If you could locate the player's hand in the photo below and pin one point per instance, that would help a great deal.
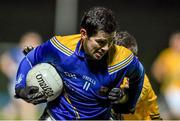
(27, 49)
(115, 95)
(31, 94)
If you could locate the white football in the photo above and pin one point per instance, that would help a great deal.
(48, 80)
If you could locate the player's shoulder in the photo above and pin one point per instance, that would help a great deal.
(119, 57)
(69, 41)
(66, 44)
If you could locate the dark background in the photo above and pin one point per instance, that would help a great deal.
(19, 16)
(150, 21)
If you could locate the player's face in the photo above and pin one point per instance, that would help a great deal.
(98, 45)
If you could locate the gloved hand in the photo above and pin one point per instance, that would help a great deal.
(115, 95)
(31, 94)
(27, 49)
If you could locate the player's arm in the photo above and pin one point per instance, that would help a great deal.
(135, 73)
(31, 94)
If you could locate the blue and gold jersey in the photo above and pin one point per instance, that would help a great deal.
(86, 82)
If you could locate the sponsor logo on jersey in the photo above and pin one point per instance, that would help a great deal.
(21, 76)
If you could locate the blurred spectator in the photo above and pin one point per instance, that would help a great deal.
(9, 61)
(166, 70)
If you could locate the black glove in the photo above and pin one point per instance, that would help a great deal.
(115, 95)
(27, 49)
(31, 94)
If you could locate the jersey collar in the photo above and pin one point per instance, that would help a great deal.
(79, 50)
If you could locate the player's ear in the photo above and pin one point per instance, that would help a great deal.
(83, 33)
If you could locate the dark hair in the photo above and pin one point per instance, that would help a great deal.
(98, 18)
(127, 40)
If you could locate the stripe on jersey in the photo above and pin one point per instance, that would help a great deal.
(120, 65)
(73, 107)
(61, 47)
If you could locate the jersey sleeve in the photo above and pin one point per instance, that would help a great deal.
(135, 73)
(43, 53)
